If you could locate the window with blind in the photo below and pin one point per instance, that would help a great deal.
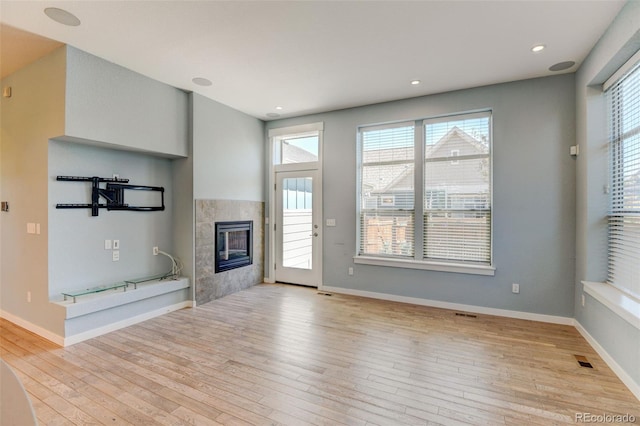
(457, 189)
(623, 99)
(387, 200)
(425, 190)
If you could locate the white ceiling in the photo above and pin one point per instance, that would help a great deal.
(314, 56)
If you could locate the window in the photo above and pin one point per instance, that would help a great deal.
(457, 201)
(623, 99)
(425, 190)
(387, 191)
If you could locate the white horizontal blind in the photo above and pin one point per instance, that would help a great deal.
(457, 189)
(387, 191)
(624, 217)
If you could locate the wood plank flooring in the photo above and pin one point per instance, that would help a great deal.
(277, 354)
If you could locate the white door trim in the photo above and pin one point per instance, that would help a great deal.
(273, 137)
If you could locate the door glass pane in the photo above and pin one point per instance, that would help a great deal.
(297, 227)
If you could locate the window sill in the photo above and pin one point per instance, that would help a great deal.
(623, 305)
(459, 268)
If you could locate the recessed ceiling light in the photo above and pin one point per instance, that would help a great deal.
(279, 108)
(538, 48)
(201, 81)
(561, 66)
(415, 82)
(61, 16)
(272, 115)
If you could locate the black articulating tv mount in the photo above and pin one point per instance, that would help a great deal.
(113, 193)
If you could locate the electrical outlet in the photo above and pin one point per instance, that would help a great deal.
(515, 288)
(107, 244)
(116, 255)
(350, 270)
(29, 296)
(116, 244)
(116, 176)
(155, 251)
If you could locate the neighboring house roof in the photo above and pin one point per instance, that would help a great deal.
(295, 154)
(457, 138)
(399, 177)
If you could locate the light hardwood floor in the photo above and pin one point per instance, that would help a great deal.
(277, 354)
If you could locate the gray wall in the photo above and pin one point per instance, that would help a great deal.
(73, 96)
(228, 153)
(183, 204)
(534, 193)
(107, 103)
(619, 338)
(77, 258)
(33, 114)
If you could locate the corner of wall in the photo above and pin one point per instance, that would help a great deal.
(33, 115)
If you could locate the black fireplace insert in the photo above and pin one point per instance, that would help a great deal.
(234, 242)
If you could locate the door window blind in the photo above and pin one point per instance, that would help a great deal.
(623, 99)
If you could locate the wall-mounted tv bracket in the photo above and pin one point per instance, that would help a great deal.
(113, 193)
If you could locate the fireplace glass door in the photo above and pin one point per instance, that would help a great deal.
(234, 243)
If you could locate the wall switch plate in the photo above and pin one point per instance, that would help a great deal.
(583, 300)
(37, 228)
(31, 228)
(331, 222)
(115, 255)
(6, 91)
(574, 150)
(515, 288)
(107, 244)
(28, 296)
(350, 270)
(5, 206)
(116, 244)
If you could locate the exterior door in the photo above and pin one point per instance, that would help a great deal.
(297, 228)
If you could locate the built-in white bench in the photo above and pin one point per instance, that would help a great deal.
(94, 313)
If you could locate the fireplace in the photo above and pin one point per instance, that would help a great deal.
(234, 242)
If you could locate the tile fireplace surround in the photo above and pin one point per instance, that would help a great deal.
(209, 285)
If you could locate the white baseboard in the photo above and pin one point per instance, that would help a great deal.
(55, 338)
(613, 365)
(453, 306)
(77, 338)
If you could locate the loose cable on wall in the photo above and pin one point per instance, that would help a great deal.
(176, 266)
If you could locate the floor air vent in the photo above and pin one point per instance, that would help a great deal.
(461, 314)
(324, 293)
(583, 361)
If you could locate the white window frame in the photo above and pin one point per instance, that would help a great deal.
(455, 153)
(613, 297)
(418, 262)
